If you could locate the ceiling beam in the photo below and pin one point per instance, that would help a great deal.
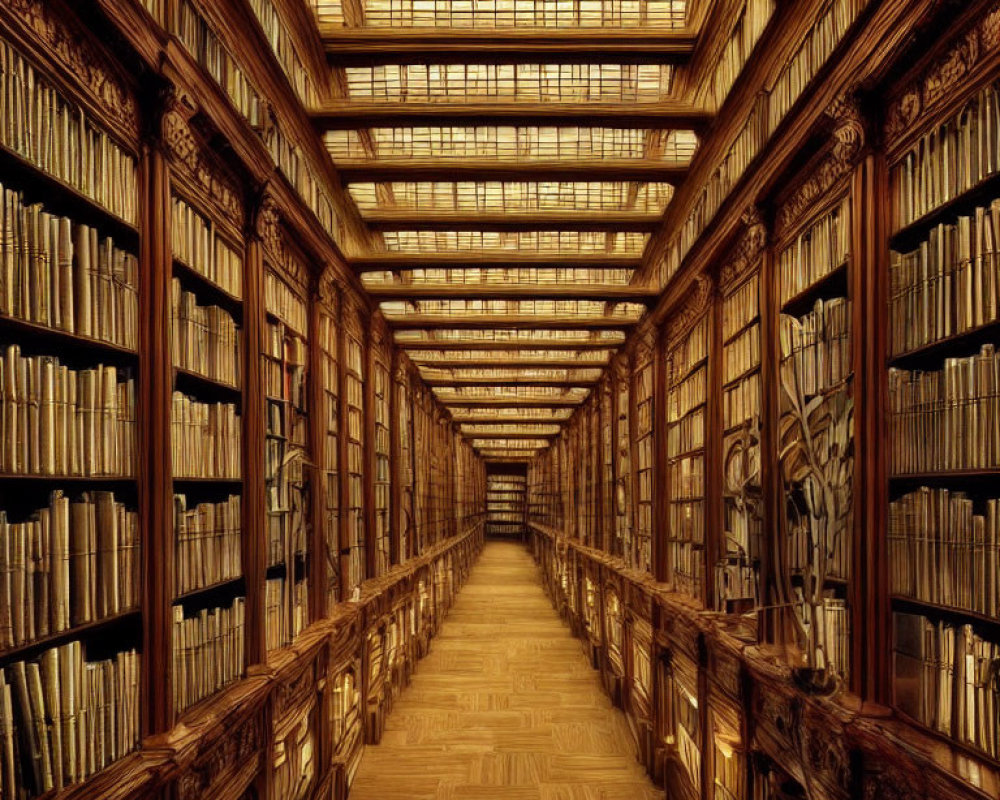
(510, 402)
(395, 261)
(534, 383)
(512, 291)
(496, 363)
(510, 435)
(667, 115)
(508, 321)
(610, 222)
(491, 169)
(484, 419)
(471, 343)
(432, 45)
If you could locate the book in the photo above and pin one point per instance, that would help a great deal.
(206, 439)
(207, 543)
(205, 339)
(208, 650)
(196, 243)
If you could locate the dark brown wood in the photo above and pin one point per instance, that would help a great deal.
(445, 169)
(395, 457)
(511, 402)
(512, 434)
(394, 262)
(715, 525)
(340, 115)
(369, 452)
(375, 45)
(611, 222)
(492, 345)
(506, 363)
(156, 485)
(508, 382)
(519, 321)
(318, 564)
(660, 568)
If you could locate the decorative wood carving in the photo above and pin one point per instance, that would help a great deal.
(748, 249)
(187, 156)
(690, 311)
(236, 750)
(80, 58)
(267, 226)
(848, 142)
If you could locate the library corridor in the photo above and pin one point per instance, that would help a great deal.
(505, 706)
(499, 399)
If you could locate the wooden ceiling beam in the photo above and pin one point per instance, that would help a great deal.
(482, 419)
(366, 46)
(610, 222)
(510, 435)
(471, 343)
(395, 262)
(667, 115)
(485, 363)
(512, 291)
(511, 321)
(510, 402)
(448, 169)
(534, 383)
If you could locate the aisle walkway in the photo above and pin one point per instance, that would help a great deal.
(505, 707)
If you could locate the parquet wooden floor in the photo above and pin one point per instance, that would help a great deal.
(505, 706)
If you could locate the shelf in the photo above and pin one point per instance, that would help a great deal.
(671, 457)
(73, 341)
(959, 616)
(210, 481)
(206, 289)
(10, 476)
(741, 377)
(37, 646)
(191, 382)
(212, 588)
(691, 370)
(970, 479)
(833, 284)
(58, 197)
(909, 236)
(966, 343)
(741, 330)
(966, 750)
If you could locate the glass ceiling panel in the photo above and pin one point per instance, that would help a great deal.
(396, 309)
(668, 14)
(512, 143)
(515, 241)
(585, 357)
(483, 429)
(501, 196)
(495, 276)
(512, 374)
(529, 83)
(512, 335)
(502, 414)
(462, 393)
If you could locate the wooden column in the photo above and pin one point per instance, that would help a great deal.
(254, 436)
(369, 452)
(343, 467)
(660, 507)
(396, 522)
(318, 578)
(714, 508)
(153, 440)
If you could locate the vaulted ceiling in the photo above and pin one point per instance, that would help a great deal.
(511, 159)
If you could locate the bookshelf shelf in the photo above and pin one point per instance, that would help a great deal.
(833, 284)
(227, 587)
(960, 344)
(959, 616)
(191, 382)
(61, 198)
(207, 290)
(909, 236)
(72, 343)
(117, 623)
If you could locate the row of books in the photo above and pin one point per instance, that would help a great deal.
(691, 349)
(942, 551)
(63, 275)
(57, 137)
(207, 543)
(741, 355)
(206, 439)
(59, 421)
(741, 308)
(64, 718)
(945, 677)
(208, 651)
(949, 159)
(828, 632)
(68, 564)
(816, 252)
(285, 304)
(286, 51)
(206, 339)
(815, 546)
(751, 20)
(686, 477)
(687, 395)
(196, 243)
(741, 401)
(686, 522)
(204, 45)
(816, 348)
(949, 284)
(946, 419)
(688, 434)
